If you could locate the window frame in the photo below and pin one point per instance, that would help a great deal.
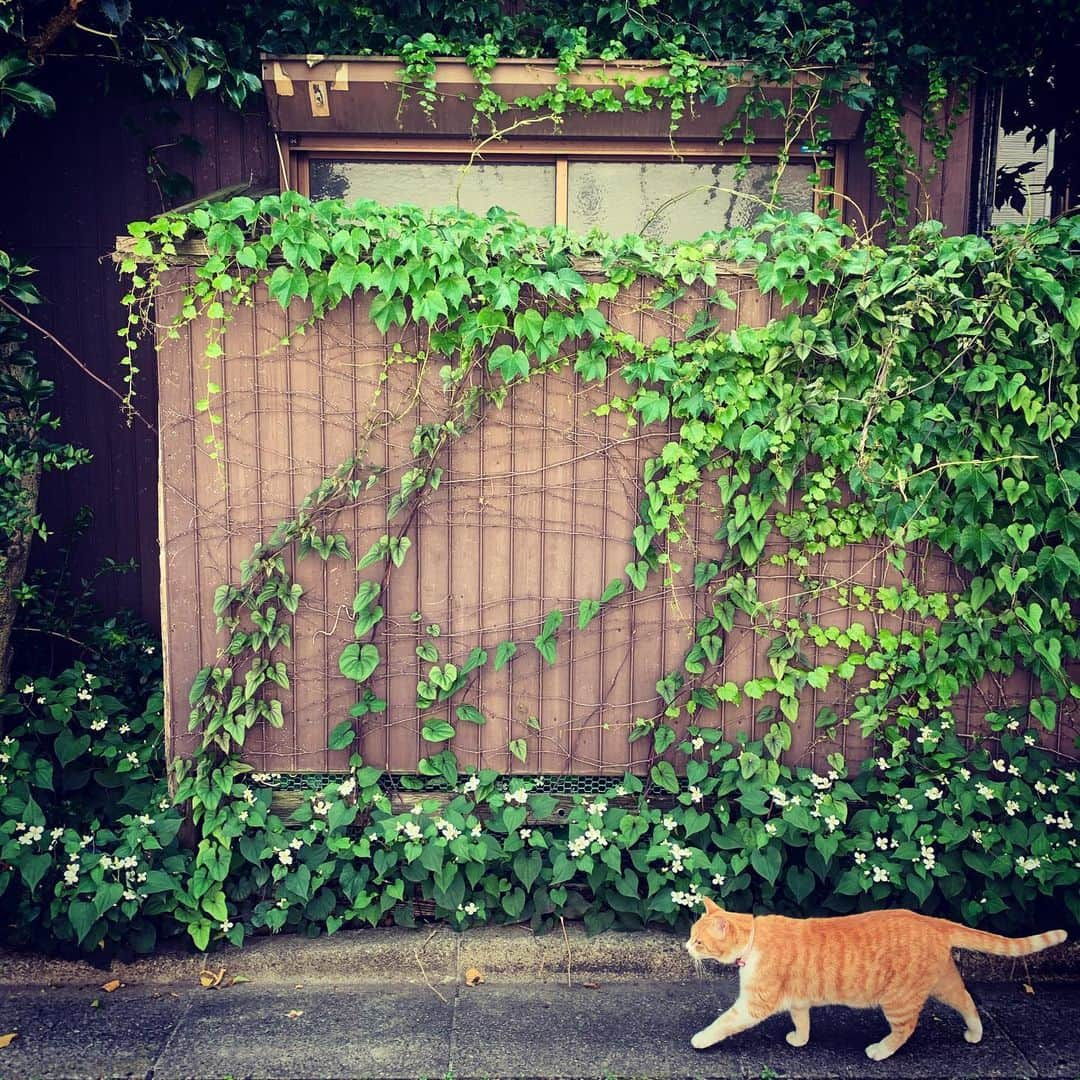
(301, 150)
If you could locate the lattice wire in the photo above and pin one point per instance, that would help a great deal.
(554, 784)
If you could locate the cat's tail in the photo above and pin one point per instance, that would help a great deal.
(980, 941)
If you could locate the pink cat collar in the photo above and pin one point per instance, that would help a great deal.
(741, 960)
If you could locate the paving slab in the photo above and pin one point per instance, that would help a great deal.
(378, 1031)
(644, 1030)
(62, 1033)
(1045, 1024)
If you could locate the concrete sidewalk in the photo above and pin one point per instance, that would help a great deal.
(504, 1029)
(397, 1004)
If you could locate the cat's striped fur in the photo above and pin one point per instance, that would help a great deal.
(892, 959)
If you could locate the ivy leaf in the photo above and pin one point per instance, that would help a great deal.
(471, 714)
(587, 612)
(437, 731)
(358, 662)
(663, 776)
(288, 283)
(506, 651)
(518, 748)
(767, 863)
(637, 572)
(527, 867)
(615, 587)
(343, 736)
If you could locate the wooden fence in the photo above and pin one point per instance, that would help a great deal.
(535, 512)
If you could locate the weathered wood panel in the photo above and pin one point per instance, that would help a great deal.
(535, 512)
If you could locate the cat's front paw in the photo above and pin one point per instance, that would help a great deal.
(703, 1039)
(878, 1051)
(795, 1039)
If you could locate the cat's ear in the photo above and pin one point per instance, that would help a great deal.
(711, 907)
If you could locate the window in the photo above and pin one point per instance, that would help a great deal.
(609, 186)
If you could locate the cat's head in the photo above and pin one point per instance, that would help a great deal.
(713, 936)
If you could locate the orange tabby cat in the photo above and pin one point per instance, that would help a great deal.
(895, 959)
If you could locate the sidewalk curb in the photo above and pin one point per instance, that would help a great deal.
(439, 955)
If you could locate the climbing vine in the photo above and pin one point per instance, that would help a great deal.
(924, 393)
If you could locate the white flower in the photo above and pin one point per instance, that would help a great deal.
(471, 785)
(149, 650)
(71, 874)
(984, 791)
(283, 903)
(98, 724)
(684, 899)
(416, 809)
(770, 827)
(27, 689)
(1013, 725)
(86, 840)
(249, 796)
(124, 729)
(84, 695)
(413, 831)
(140, 878)
(1040, 787)
(578, 846)
(903, 803)
(320, 807)
(1029, 740)
(718, 880)
(860, 857)
(285, 857)
(977, 836)
(882, 842)
(881, 763)
(880, 873)
(620, 791)
(132, 757)
(145, 819)
(697, 742)
(934, 793)
(695, 793)
(669, 823)
(1011, 808)
(598, 807)
(524, 833)
(130, 894)
(32, 835)
(520, 796)
(56, 833)
(347, 787)
(832, 822)
(476, 830)
(999, 764)
(40, 699)
(227, 925)
(927, 735)
(1013, 770)
(243, 815)
(1029, 863)
(470, 908)
(820, 782)
(1054, 789)
(296, 843)
(965, 774)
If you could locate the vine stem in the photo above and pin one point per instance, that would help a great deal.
(78, 363)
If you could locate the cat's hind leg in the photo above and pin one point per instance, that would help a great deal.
(950, 990)
(736, 1019)
(902, 1015)
(800, 1017)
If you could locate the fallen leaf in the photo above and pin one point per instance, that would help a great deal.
(591, 986)
(210, 979)
(294, 1014)
(1028, 988)
(95, 1004)
(111, 985)
(473, 976)
(238, 979)
(5, 1040)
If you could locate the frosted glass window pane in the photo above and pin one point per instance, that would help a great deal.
(528, 190)
(675, 200)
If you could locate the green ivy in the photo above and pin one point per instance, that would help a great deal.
(934, 381)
